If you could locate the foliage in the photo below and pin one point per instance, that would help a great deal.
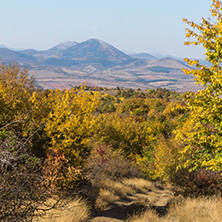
(197, 183)
(24, 107)
(15, 90)
(122, 133)
(203, 141)
(58, 175)
(107, 103)
(137, 108)
(71, 122)
(106, 163)
(110, 132)
(165, 155)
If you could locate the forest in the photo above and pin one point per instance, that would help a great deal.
(65, 143)
(57, 145)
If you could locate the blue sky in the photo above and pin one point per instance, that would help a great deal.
(130, 25)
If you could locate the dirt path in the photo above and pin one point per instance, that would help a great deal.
(157, 199)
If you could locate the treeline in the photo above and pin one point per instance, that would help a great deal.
(55, 142)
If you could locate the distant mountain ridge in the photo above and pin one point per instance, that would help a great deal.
(92, 51)
(144, 55)
(70, 53)
(101, 64)
(8, 55)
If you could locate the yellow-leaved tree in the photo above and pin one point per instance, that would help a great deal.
(16, 87)
(203, 137)
(71, 121)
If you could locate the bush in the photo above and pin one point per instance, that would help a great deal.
(103, 162)
(200, 182)
(22, 188)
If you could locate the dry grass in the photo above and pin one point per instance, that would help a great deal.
(112, 191)
(75, 211)
(106, 197)
(196, 210)
(147, 216)
(118, 187)
(191, 210)
(139, 183)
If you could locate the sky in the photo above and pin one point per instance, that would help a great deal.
(133, 26)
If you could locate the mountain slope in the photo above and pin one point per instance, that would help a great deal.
(91, 52)
(62, 46)
(143, 55)
(96, 51)
(8, 55)
(168, 62)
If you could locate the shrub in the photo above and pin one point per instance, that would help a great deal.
(58, 174)
(200, 182)
(22, 187)
(103, 162)
(162, 161)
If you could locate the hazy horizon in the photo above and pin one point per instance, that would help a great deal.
(131, 26)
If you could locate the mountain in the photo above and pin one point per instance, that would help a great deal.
(158, 55)
(13, 49)
(50, 56)
(2, 46)
(62, 46)
(144, 55)
(100, 64)
(8, 55)
(93, 51)
(96, 51)
(169, 62)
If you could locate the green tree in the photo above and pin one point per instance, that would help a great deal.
(203, 136)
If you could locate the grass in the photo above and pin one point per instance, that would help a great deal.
(138, 183)
(189, 210)
(75, 211)
(196, 210)
(180, 210)
(147, 216)
(111, 191)
(114, 191)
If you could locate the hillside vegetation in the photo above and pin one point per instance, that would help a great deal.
(92, 153)
(64, 144)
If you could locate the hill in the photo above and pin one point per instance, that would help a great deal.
(143, 55)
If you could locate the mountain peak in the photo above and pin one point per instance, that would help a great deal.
(2, 46)
(97, 42)
(96, 51)
(63, 46)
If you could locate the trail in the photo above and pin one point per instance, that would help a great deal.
(157, 199)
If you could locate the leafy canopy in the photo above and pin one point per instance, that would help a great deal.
(202, 134)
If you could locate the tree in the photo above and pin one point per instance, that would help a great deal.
(71, 121)
(24, 108)
(16, 87)
(203, 136)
